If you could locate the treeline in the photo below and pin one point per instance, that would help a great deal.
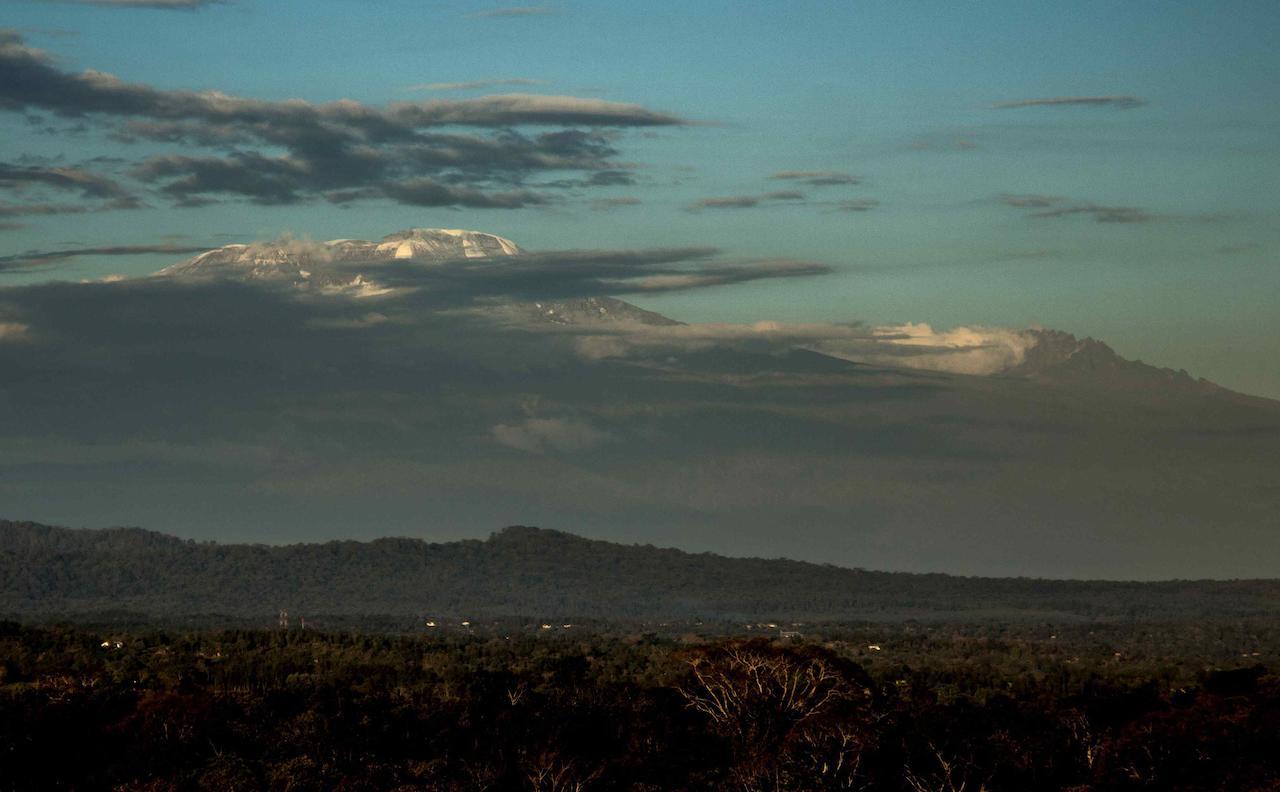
(532, 572)
(293, 710)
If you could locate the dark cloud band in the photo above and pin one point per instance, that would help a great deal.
(1117, 102)
(408, 151)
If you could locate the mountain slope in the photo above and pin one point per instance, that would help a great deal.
(256, 409)
(540, 573)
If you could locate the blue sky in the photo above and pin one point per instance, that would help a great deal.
(1149, 221)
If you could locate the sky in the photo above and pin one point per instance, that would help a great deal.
(1106, 169)
(846, 234)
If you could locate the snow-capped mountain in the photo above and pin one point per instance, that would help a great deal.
(328, 264)
(333, 267)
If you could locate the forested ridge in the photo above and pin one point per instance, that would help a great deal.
(522, 571)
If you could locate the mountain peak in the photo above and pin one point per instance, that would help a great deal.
(445, 243)
(316, 264)
(1058, 356)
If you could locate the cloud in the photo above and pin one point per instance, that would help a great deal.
(517, 11)
(745, 201)
(13, 331)
(601, 178)
(1030, 200)
(473, 85)
(974, 351)
(428, 192)
(89, 184)
(977, 351)
(1101, 214)
(169, 5)
(623, 340)
(278, 152)
(567, 274)
(818, 178)
(546, 435)
(1052, 206)
(609, 204)
(36, 258)
(933, 144)
(1117, 102)
(208, 407)
(857, 205)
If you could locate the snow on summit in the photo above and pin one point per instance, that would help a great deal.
(305, 263)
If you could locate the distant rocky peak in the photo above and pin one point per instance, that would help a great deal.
(1062, 357)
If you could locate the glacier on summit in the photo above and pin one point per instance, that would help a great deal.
(320, 264)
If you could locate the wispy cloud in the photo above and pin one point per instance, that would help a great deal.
(339, 151)
(609, 204)
(1052, 206)
(1102, 214)
(37, 258)
(942, 144)
(1030, 200)
(857, 205)
(546, 435)
(473, 85)
(166, 5)
(515, 11)
(1117, 102)
(817, 178)
(745, 201)
(88, 183)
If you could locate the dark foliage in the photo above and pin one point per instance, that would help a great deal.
(295, 710)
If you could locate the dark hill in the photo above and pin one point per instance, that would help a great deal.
(47, 571)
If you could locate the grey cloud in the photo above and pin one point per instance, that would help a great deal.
(39, 209)
(602, 178)
(428, 192)
(511, 109)
(545, 435)
(20, 179)
(168, 5)
(1030, 200)
(535, 275)
(286, 416)
(932, 144)
(266, 180)
(569, 274)
(1101, 214)
(471, 85)
(54, 32)
(818, 178)
(1117, 102)
(35, 258)
(609, 204)
(517, 11)
(857, 205)
(745, 201)
(336, 146)
(1052, 206)
(23, 209)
